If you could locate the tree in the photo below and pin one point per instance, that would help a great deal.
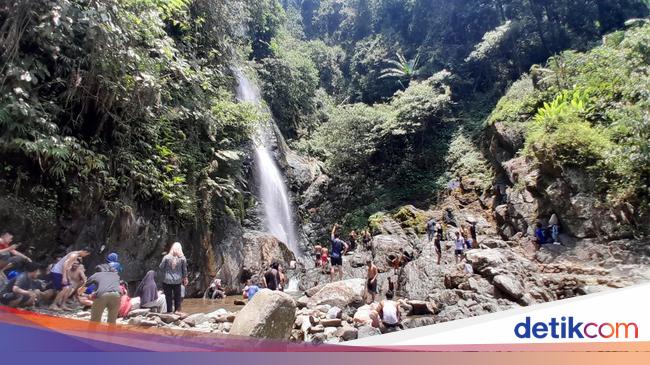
(402, 69)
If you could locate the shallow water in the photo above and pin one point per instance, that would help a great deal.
(200, 305)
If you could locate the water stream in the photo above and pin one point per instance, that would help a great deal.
(273, 194)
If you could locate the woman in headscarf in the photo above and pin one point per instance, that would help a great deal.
(148, 293)
(174, 270)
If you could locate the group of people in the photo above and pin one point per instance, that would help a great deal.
(333, 262)
(464, 238)
(64, 283)
(274, 278)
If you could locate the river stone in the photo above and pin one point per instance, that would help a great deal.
(509, 286)
(166, 317)
(217, 313)
(196, 319)
(138, 312)
(330, 331)
(347, 333)
(334, 312)
(367, 331)
(316, 329)
(340, 294)
(420, 307)
(336, 322)
(270, 314)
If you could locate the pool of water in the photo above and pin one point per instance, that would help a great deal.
(200, 305)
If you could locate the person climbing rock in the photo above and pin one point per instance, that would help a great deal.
(339, 248)
(174, 269)
(389, 314)
(371, 280)
(317, 255)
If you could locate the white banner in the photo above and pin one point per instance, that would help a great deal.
(619, 315)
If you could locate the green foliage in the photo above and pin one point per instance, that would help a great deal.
(591, 113)
(124, 103)
(401, 69)
(467, 161)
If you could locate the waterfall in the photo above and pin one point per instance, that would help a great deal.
(274, 197)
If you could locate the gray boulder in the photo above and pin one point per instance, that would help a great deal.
(270, 315)
(509, 286)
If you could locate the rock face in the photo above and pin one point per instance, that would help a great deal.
(259, 251)
(270, 315)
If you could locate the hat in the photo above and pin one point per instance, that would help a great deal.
(112, 257)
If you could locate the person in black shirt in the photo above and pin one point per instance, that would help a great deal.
(20, 291)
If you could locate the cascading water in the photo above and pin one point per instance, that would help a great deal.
(278, 215)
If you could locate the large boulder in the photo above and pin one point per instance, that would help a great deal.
(260, 250)
(340, 294)
(270, 314)
(386, 248)
(509, 286)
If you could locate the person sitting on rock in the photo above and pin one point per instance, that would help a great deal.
(339, 249)
(371, 282)
(460, 245)
(317, 254)
(389, 313)
(540, 235)
(215, 290)
(19, 291)
(251, 289)
(150, 298)
(10, 257)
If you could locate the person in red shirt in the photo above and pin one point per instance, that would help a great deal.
(9, 256)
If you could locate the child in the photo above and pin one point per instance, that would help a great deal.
(324, 257)
(317, 254)
(251, 289)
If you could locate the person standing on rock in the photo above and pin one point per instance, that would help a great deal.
(353, 240)
(272, 278)
(339, 248)
(437, 241)
(107, 296)
(472, 232)
(367, 238)
(174, 269)
(460, 245)
(431, 229)
(371, 283)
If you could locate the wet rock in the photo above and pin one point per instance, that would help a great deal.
(217, 313)
(367, 331)
(270, 314)
(509, 286)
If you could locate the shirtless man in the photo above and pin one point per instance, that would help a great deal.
(371, 283)
(60, 279)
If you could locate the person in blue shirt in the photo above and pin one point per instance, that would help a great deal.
(251, 289)
(540, 235)
(339, 248)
